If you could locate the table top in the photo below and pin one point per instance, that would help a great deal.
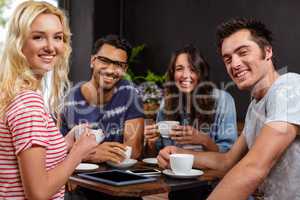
(162, 185)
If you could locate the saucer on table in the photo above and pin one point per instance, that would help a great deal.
(86, 167)
(194, 173)
(151, 161)
(125, 164)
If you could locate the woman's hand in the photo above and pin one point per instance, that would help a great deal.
(151, 133)
(70, 137)
(187, 135)
(190, 135)
(85, 144)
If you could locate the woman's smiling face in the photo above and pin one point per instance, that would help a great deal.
(185, 76)
(44, 44)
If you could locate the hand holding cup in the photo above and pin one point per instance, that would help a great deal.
(99, 135)
(165, 127)
(85, 145)
(151, 132)
(127, 153)
(188, 135)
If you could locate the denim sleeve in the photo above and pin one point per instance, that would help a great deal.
(224, 129)
(162, 142)
(160, 114)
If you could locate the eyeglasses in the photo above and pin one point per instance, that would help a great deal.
(106, 61)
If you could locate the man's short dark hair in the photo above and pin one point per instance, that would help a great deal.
(259, 32)
(115, 41)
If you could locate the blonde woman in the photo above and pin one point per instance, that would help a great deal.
(33, 154)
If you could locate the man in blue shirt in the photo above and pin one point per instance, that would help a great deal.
(107, 102)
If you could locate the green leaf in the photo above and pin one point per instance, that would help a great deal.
(135, 52)
(149, 77)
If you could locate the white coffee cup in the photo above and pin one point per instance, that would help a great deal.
(181, 163)
(165, 127)
(97, 132)
(128, 152)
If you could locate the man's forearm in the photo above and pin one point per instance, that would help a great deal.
(134, 136)
(209, 160)
(137, 151)
(137, 146)
(239, 183)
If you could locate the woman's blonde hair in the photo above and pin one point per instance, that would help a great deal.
(15, 72)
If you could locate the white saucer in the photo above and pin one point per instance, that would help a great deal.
(151, 161)
(194, 173)
(165, 136)
(126, 163)
(86, 166)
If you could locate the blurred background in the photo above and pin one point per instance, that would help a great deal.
(158, 27)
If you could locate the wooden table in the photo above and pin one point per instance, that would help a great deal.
(162, 185)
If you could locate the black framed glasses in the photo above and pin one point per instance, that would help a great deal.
(106, 61)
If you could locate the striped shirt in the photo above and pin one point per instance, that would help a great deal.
(27, 123)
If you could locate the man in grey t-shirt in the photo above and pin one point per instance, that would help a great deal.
(267, 154)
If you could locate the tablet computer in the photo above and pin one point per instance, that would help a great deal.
(116, 177)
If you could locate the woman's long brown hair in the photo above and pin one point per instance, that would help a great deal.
(202, 103)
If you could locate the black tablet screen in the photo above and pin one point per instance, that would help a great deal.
(116, 176)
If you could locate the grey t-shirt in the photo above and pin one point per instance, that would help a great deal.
(281, 103)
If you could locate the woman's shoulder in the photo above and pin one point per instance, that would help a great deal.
(221, 94)
(26, 98)
(28, 95)
(223, 99)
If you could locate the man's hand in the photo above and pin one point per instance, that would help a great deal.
(163, 157)
(108, 151)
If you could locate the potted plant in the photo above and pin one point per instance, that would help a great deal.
(151, 95)
(149, 86)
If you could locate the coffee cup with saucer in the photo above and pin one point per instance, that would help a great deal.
(127, 162)
(181, 166)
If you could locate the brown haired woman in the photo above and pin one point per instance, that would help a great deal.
(206, 114)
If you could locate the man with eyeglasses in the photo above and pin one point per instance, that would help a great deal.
(108, 102)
